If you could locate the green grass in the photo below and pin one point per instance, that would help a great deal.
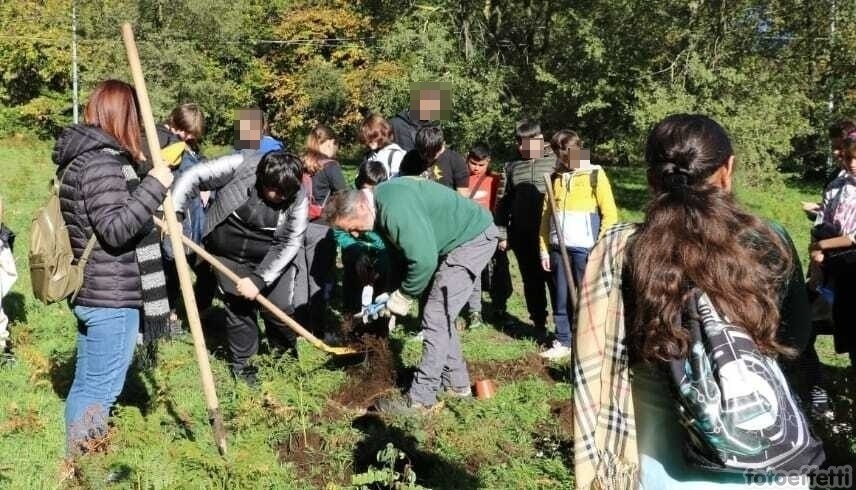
(162, 438)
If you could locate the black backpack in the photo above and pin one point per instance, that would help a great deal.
(736, 405)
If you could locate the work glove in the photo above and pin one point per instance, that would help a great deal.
(375, 309)
(398, 303)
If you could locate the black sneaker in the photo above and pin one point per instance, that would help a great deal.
(6, 358)
(248, 375)
(821, 410)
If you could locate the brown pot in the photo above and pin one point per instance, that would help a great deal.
(485, 388)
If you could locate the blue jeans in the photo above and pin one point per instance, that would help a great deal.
(105, 345)
(563, 312)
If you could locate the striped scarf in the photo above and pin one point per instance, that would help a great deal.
(606, 456)
(155, 304)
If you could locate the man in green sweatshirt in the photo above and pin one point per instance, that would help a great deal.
(446, 240)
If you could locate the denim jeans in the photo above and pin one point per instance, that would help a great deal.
(105, 346)
(563, 312)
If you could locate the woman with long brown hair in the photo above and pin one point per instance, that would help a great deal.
(322, 178)
(640, 297)
(108, 209)
(319, 161)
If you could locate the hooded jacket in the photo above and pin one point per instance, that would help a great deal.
(405, 128)
(94, 198)
(234, 178)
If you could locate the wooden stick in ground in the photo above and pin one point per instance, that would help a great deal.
(213, 405)
(266, 303)
(566, 262)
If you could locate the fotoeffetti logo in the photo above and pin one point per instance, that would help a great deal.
(807, 477)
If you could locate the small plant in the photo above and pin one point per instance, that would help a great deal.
(387, 476)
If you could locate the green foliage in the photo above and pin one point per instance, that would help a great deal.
(387, 475)
(767, 70)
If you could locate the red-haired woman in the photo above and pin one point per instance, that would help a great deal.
(377, 135)
(109, 207)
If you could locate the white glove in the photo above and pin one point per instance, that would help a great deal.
(398, 303)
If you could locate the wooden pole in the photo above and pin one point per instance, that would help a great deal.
(281, 315)
(566, 262)
(214, 415)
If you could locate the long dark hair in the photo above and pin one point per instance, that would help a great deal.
(695, 234)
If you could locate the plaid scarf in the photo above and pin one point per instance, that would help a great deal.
(605, 450)
(152, 279)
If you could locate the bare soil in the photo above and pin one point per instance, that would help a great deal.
(510, 370)
(370, 379)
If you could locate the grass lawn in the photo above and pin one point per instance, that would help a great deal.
(302, 428)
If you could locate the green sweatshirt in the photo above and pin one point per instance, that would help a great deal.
(425, 221)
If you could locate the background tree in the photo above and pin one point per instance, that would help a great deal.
(767, 69)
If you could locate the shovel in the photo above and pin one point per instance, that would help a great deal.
(215, 416)
(266, 303)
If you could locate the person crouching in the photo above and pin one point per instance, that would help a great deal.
(255, 227)
(446, 240)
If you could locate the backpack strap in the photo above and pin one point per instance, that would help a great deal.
(81, 264)
(593, 181)
(389, 160)
(478, 185)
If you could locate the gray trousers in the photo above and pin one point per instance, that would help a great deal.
(442, 363)
(314, 279)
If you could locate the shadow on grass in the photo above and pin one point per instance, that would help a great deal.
(839, 437)
(431, 470)
(137, 391)
(516, 328)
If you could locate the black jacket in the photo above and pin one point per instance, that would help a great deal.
(405, 129)
(94, 196)
(234, 178)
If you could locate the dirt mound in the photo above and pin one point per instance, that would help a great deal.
(563, 413)
(555, 437)
(304, 450)
(375, 376)
(510, 370)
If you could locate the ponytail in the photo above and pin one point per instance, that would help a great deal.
(696, 235)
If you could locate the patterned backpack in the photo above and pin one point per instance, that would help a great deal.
(735, 403)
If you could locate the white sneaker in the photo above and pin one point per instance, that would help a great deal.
(557, 351)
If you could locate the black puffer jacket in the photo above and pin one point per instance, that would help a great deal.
(94, 195)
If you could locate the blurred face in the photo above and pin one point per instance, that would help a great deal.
(429, 105)
(577, 158)
(248, 129)
(273, 195)
(478, 167)
(531, 148)
(848, 162)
